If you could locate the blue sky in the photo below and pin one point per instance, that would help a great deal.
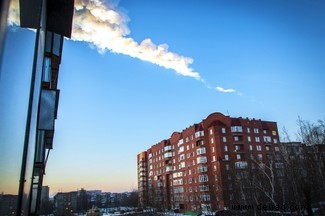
(268, 54)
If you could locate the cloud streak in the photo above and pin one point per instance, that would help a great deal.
(220, 89)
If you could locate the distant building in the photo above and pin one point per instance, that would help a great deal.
(194, 170)
(8, 204)
(45, 195)
(98, 198)
(66, 203)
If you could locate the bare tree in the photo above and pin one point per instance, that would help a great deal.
(305, 165)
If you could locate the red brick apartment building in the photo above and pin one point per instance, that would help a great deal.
(193, 169)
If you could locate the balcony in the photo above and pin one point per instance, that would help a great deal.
(168, 148)
(267, 140)
(142, 174)
(180, 142)
(239, 148)
(201, 159)
(241, 164)
(143, 170)
(236, 129)
(168, 155)
(199, 134)
(169, 168)
(200, 143)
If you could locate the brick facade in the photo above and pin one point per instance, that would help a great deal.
(194, 169)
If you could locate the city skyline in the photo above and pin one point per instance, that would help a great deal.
(253, 59)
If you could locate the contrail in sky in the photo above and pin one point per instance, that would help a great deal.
(103, 25)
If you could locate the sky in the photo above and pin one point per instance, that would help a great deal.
(135, 71)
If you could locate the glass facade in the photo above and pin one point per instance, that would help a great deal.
(29, 100)
(17, 63)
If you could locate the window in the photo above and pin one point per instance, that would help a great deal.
(199, 142)
(201, 159)
(181, 157)
(267, 139)
(211, 131)
(275, 140)
(212, 149)
(225, 148)
(258, 148)
(224, 139)
(274, 133)
(260, 156)
(249, 139)
(182, 165)
(205, 197)
(213, 158)
(200, 151)
(211, 140)
(223, 130)
(203, 178)
(236, 129)
(279, 165)
(267, 148)
(257, 139)
(199, 134)
(226, 157)
(168, 148)
(264, 131)
(236, 138)
(240, 164)
(167, 154)
(238, 157)
(204, 187)
(276, 149)
(227, 166)
(178, 182)
(248, 130)
(256, 130)
(201, 169)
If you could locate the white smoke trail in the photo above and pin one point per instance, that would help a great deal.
(103, 25)
(220, 89)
